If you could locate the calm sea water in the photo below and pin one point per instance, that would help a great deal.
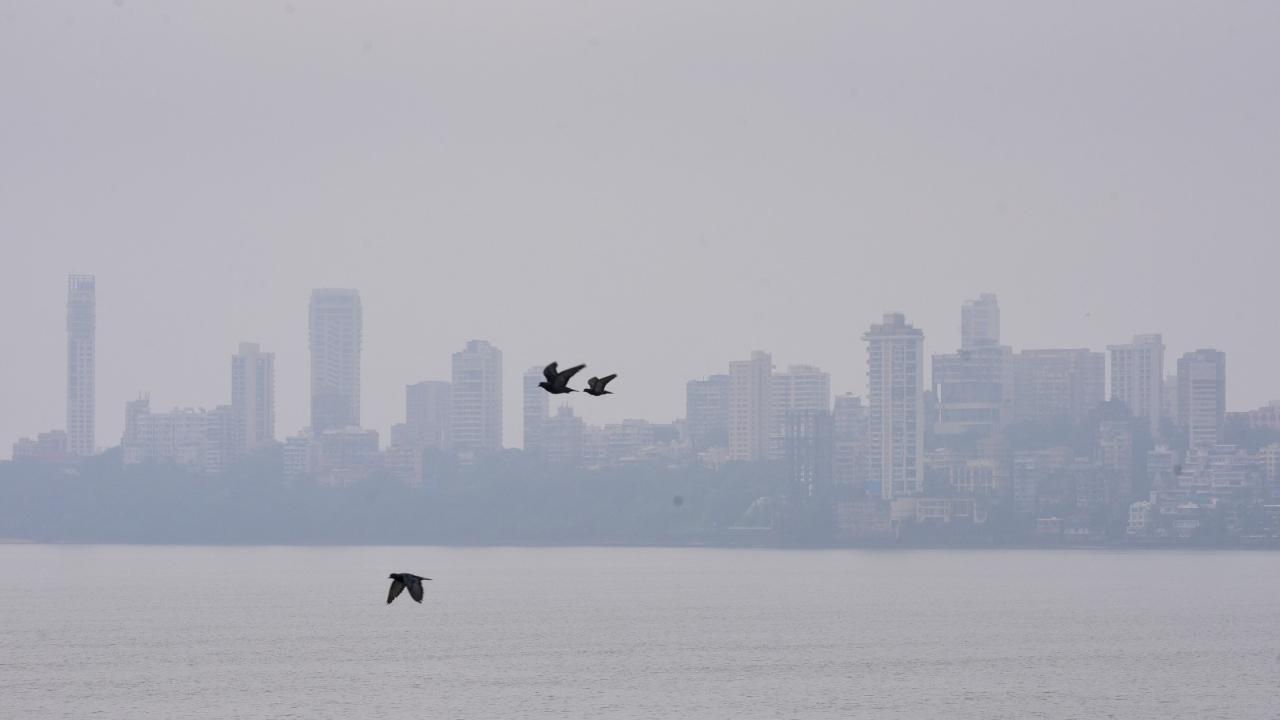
(257, 632)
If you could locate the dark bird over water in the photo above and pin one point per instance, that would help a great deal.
(596, 385)
(557, 381)
(400, 581)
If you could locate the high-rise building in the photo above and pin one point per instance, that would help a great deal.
(707, 412)
(895, 428)
(427, 413)
(476, 420)
(980, 322)
(800, 388)
(253, 397)
(1137, 378)
(849, 442)
(1058, 384)
(81, 361)
(750, 407)
(537, 406)
(336, 329)
(973, 390)
(809, 454)
(1202, 396)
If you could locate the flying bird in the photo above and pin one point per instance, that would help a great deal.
(557, 381)
(596, 385)
(400, 581)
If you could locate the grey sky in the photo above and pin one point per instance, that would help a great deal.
(652, 188)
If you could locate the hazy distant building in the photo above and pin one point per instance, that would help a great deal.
(1137, 378)
(536, 406)
(253, 397)
(177, 437)
(1202, 396)
(562, 438)
(973, 389)
(849, 442)
(133, 409)
(1269, 461)
(222, 439)
(335, 336)
(1169, 401)
(595, 447)
(1116, 447)
(980, 322)
(1266, 417)
(192, 438)
(300, 455)
(1058, 384)
(750, 407)
(800, 388)
(47, 446)
(405, 463)
(895, 394)
(808, 451)
(628, 440)
(427, 414)
(81, 362)
(345, 455)
(476, 422)
(707, 412)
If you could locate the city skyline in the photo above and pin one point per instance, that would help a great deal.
(770, 442)
(1160, 460)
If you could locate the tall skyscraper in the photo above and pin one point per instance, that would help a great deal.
(428, 412)
(1058, 384)
(253, 397)
(81, 361)
(537, 407)
(980, 322)
(707, 411)
(1137, 378)
(336, 328)
(1202, 396)
(750, 407)
(476, 422)
(895, 428)
(802, 388)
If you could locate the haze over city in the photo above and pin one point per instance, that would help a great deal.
(652, 190)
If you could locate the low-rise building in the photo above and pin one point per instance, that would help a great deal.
(1139, 518)
(47, 446)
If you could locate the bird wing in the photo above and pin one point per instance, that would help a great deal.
(549, 372)
(562, 377)
(605, 380)
(396, 588)
(415, 589)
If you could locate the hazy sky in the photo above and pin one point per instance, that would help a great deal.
(653, 188)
